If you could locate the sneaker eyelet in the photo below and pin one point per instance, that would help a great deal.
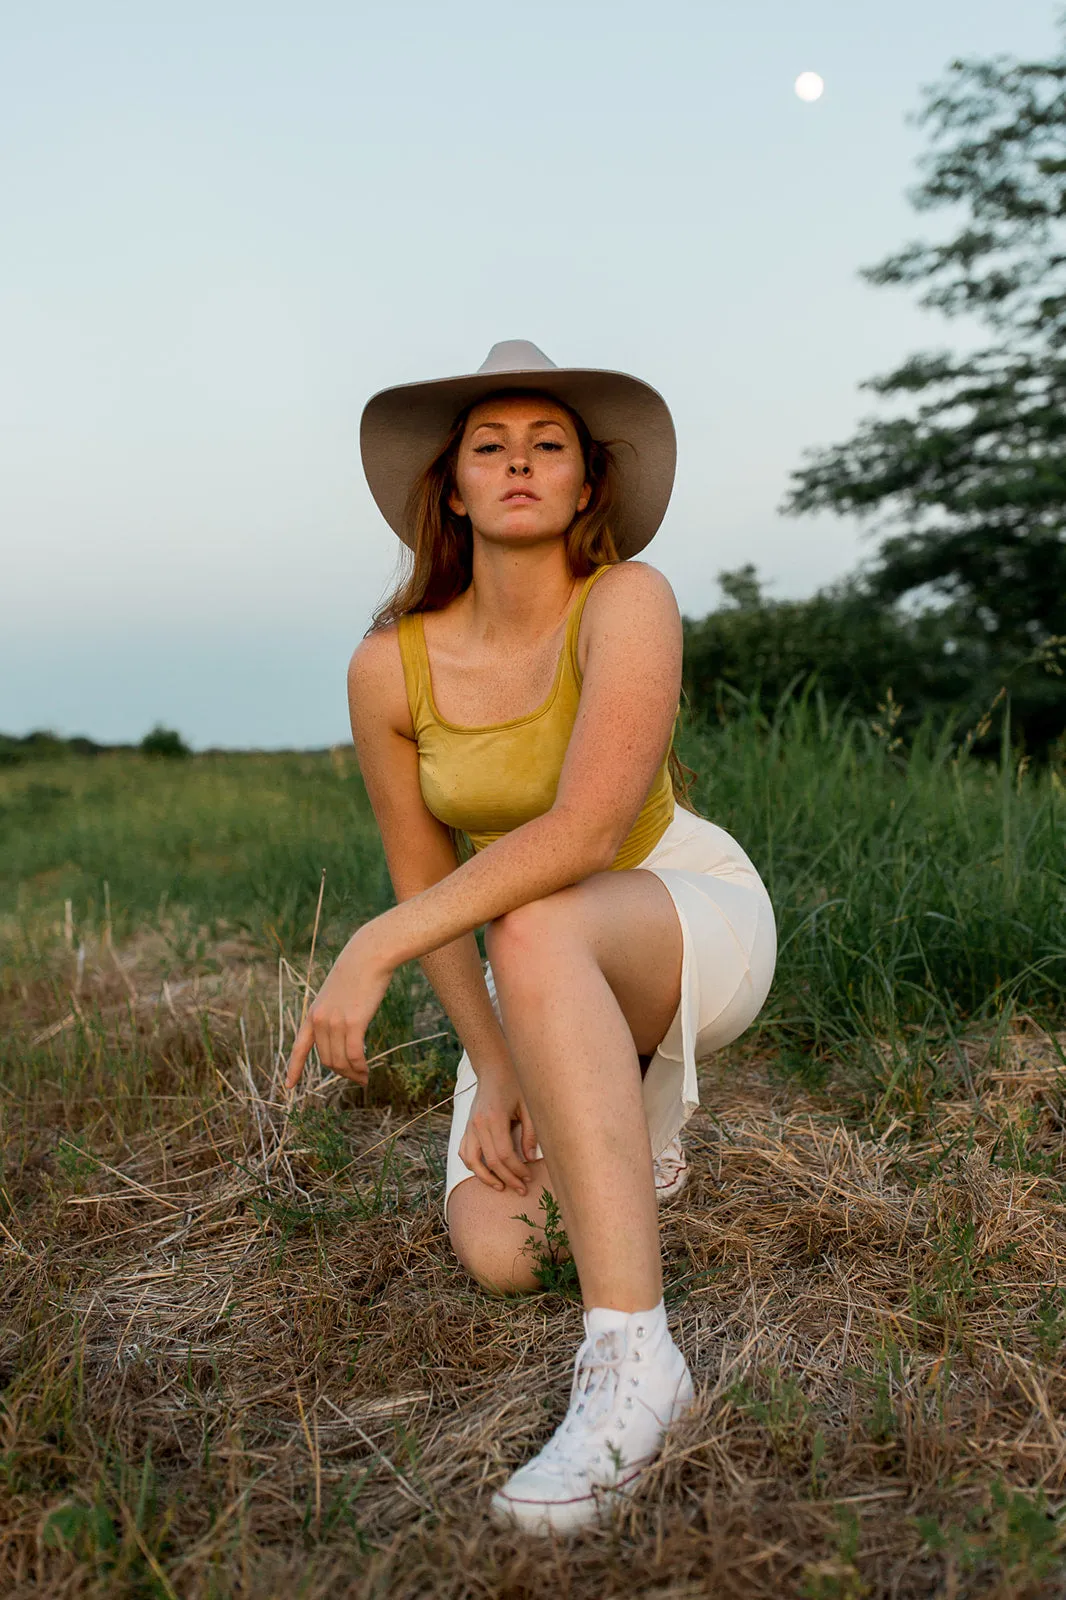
(640, 1333)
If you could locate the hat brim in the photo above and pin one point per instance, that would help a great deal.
(402, 429)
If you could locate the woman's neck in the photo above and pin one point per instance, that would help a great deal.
(522, 594)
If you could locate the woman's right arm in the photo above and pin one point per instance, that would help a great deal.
(419, 852)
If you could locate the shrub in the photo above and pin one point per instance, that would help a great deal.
(166, 742)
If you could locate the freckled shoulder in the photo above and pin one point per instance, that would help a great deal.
(626, 592)
(376, 680)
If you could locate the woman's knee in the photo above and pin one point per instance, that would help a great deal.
(489, 1247)
(517, 941)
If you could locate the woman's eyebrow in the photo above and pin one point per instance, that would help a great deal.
(544, 422)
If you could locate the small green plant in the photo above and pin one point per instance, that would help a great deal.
(74, 1161)
(837, 1578)
(549, 1251)
(1051, 1320)
(784, 1409)
(87, 1532)
(322, 1130)
(383, 1195)
(419, 1067)
(123, 1534)
(881, 1421)
(1013, 1148)
(901, 1083)
(955, 1285)
(426, 1080)
(677, 1287)
(340, 1511)
(779, 1405)
(819, 1446)
(1016, 1535)
(187, 942)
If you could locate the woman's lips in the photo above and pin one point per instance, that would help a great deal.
(521, 494)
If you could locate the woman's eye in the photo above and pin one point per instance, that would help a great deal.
(483, 449)
(549, 444)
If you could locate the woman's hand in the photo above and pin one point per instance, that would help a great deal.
(346, 1003)
(487, 1146)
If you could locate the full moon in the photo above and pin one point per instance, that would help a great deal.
(809, 86)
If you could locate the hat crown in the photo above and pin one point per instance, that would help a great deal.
(516, 355)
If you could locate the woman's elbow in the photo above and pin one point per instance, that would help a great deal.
(594, 848)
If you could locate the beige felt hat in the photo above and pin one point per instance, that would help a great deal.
(403, 428)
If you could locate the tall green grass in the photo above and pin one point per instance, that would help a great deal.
(233, 841)
(917, 890)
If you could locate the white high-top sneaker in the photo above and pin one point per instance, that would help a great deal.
(630, 1382)
(671, 1171)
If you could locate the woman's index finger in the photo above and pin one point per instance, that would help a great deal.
(300, 1051)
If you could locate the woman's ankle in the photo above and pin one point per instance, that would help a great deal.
(606, 1319)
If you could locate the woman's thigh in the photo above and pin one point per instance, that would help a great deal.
(625, 921)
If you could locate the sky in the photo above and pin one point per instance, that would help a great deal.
(226, 225)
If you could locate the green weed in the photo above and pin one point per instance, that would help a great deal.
(548, 1251)
(838, 1577)
(1051, 1320)
(74, 1162)
(1013, 1534)
(1013, 1149)
(957, 1278)
(882, 1421)
(778, 1404)
(382, 1195)
(341, 1510)
(323, 1130)
(118, 1530)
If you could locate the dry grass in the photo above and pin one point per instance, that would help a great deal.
(238, 1358)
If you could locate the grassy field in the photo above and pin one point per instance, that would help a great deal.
(236, 1354)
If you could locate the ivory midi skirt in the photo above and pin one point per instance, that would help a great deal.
(729, 951)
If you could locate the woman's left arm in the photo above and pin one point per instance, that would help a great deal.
(622, 730)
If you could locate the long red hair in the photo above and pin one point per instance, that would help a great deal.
(437, 564)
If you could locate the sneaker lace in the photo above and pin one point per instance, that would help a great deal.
(669, 1161)
(597, 1375)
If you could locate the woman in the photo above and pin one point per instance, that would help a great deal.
(521, 687)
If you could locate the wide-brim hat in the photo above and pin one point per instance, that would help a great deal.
(403, 427)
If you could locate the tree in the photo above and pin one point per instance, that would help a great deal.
(166, 742)
(973, 485)
(854, 647)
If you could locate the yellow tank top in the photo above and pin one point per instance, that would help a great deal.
(484, 781)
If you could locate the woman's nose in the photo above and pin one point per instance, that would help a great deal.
(520, 466)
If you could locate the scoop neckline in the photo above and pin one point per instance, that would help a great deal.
(511, 722)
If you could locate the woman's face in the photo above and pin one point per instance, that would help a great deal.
(520, 474)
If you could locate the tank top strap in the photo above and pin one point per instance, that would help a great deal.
(573, 622)
(412, 642)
